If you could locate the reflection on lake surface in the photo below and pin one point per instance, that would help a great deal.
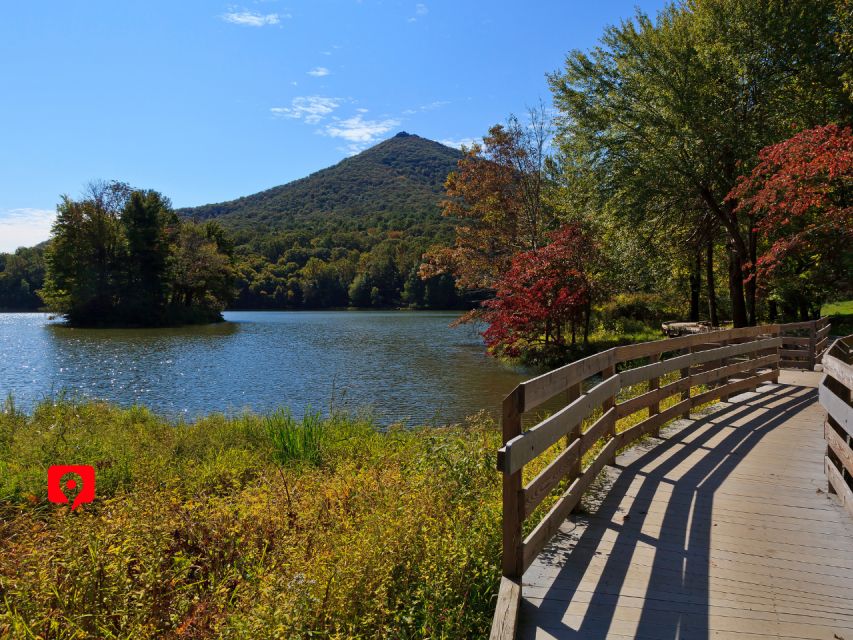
(406, 366)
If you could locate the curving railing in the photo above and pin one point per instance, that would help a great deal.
(715, 365)
(835, 396)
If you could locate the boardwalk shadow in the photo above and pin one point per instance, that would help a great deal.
(674, 602)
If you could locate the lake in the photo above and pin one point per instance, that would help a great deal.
(406, 367)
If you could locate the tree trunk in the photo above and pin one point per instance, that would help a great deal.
(739, 317)
(750, 278)
(587, 317)
(712, 294)
(773, 310)
(695, 287)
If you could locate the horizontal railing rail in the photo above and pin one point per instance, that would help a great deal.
(835, 396)
(599, 392)
(804, 343)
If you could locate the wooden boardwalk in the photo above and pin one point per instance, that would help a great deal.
(722, 528)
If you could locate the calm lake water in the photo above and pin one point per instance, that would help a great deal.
(405, 366)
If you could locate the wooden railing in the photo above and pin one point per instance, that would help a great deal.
(723, 362)
(804, 343)
(835, 396)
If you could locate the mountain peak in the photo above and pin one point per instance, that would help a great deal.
(401, 176)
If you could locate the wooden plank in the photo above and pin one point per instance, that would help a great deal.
(505, 622)
(645, 349)
(837, 407)
(838, 485)
(652, 423)
(602, 427)
(525, 447)
(639, 374)
(550, 524)
(840, 371)
(650, 398)
(839, 446)
(654, 370)
(738, 367)
(793, 354)
(568, 462)
(786, 340)
(824, 332)
(543, 388)
(791, 326)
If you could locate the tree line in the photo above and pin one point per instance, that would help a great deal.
(705, 156)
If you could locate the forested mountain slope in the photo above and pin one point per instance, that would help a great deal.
(400, 179)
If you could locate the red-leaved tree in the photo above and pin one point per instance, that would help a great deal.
(799, 198)
(542, 297)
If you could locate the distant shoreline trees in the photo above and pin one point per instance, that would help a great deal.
(121, 257)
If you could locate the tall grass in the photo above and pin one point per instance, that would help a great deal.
(247, 527)
(292, 440)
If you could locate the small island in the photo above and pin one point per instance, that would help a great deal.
(122, 257)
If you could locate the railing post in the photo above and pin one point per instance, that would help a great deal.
(685, 373)
(573, 394)
(609, 403)
(512, 505)
(776, 331)
(654, 384)
(812, 343)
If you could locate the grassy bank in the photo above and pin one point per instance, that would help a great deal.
(247, 527)
(841, 316)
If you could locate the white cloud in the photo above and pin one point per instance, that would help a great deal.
(362, 110)
(319, 72)
(420, 11)
(359, 130)
(248, 18)
(24, 227)
(435, 105)
(311, 109)
(459, 143)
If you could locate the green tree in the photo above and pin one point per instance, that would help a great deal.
(150, 227)
(664, 115)
(121, 256)
(85, 257)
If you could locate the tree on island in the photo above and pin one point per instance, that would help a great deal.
(121, 256)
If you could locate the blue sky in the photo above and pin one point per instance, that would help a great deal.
(207, 101)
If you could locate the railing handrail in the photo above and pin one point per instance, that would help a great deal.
(836, 396)
(762, 346)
